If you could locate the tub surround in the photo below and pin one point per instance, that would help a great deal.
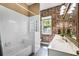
(15, 33)
(35, 32)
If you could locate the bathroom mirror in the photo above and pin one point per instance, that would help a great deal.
(71, 17)
(70, 22)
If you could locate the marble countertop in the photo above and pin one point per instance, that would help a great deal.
(61, 45)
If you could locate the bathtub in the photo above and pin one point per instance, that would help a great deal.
(19, 49)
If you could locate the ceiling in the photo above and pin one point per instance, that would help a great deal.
(29, 3)
(48, 5)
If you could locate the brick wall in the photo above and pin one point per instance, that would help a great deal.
(54, 12)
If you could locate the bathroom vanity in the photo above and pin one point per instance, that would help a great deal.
(61, 47)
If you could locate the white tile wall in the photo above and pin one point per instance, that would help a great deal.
(35, 35)
(16, 34)
(14, 31)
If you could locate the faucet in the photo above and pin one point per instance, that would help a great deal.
(64, 39)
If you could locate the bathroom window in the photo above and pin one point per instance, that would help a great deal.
(46, 25)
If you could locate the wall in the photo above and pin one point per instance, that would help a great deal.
(54, 12)
(14, 31)
(35, 32)
(35, 26)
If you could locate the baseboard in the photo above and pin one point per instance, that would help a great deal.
(44, 43)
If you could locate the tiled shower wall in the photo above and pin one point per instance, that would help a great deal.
(35, 32)
(14, 32)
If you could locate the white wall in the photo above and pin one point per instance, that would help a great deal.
(35, 34)
(14, 31)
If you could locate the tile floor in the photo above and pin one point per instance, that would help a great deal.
(44, 52)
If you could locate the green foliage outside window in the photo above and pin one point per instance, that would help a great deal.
(46, 23)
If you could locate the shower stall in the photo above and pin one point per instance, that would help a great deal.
(16, 39)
